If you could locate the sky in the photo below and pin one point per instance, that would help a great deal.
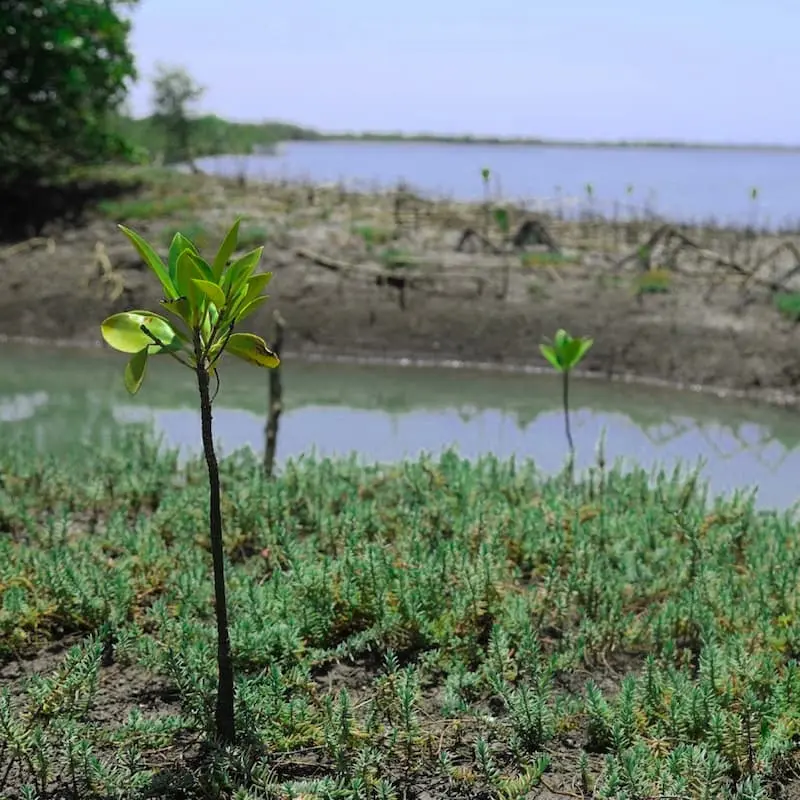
(699, 70)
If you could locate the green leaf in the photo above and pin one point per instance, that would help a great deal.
(569, 352)
(203, 266)
(226, 250)
(583, 349)
(561, 339)
(550, 354)
(253, 349)
(124, 332)
(178, 245)
(134, 371)
(211, 291)
(501, 219)
(238, 272)
(186, 273)
(256, 284)
(180, 307)
(205, 328)
(232, 306)
(249, 308)
(153, 260)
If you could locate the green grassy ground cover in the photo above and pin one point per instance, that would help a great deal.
(438, 628)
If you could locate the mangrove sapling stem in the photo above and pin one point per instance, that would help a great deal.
(275, 400)
(565, 396)
(209, 298)
(225, 723)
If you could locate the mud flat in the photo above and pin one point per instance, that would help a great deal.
(391, 276)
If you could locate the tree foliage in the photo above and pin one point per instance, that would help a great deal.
(64, 69)
(174, 92)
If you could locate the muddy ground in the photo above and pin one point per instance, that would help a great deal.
(389, 276)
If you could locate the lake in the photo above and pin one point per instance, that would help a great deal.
(61, 396)
(688, 185)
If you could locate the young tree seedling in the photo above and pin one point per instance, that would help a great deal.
(564, 353)
(207, 301)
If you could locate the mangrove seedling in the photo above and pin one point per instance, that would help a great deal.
(207, 301)
(564, 353)
(486, 176)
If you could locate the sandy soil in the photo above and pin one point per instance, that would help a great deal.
(383, 276)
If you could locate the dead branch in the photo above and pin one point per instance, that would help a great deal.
(666, 233)
(533, 232)
(470, 234)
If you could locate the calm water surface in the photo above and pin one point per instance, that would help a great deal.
(61, 397)
(677, 184)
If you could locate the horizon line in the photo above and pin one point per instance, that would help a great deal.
(499, 139)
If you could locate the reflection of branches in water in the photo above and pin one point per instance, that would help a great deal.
(755, 449)
(675, 429)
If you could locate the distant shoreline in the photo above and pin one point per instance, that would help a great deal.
(400, 138)
(213, 135)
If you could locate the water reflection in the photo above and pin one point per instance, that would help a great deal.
(387, 414)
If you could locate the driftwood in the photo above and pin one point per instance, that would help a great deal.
(397, 278)
(275, 399)
(380, 277)
(667, 234)
(532, 232)
(470, 234)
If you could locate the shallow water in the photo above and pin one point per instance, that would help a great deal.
(680, 184)
(63, 396)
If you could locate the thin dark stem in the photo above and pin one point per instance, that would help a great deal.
(275, 400)
(226, 729)
(566, 411)
(145, 330)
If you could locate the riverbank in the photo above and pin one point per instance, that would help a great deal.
(212, 135)
(562, 656)
(394, 277)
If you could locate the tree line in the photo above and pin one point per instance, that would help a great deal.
(65, 70)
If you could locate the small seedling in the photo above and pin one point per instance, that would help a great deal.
(208, 300)
(653, 281)
(486, 176)
(564, 353)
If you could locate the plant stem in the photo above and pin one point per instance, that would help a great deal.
(566, 413)
(275, 400)
(226, 729)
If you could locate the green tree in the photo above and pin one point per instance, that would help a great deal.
(174, 92)
(64, 70)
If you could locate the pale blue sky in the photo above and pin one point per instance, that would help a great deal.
(722, 70)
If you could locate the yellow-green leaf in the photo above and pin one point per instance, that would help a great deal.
(238, 272)
(124, 331)
(203, 266)
(153, 260)
(256, 284)
(211, 291)
(134, 371)
(180, 307)
(584, 348)
(550, 354)
(253, 349)
(249, 308)
(178, 245)
(186, 273)
(226, 250)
